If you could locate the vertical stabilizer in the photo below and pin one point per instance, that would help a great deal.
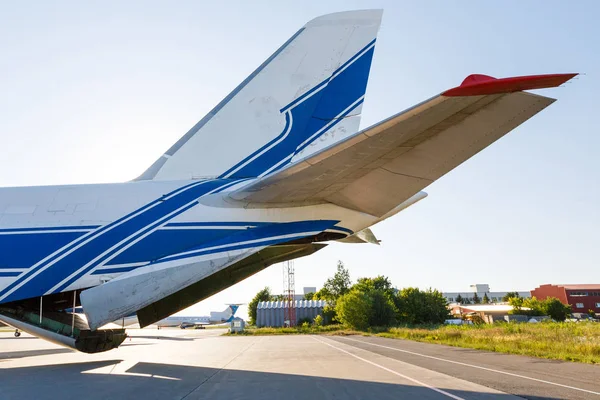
(307, 95)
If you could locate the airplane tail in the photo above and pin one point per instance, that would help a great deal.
(232, 309)
(304, 97)
(229, 312)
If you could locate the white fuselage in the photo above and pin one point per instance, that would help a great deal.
(62, 238)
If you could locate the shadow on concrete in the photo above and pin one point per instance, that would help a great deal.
(11, 355)
(165, 381)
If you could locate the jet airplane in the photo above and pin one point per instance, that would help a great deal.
(272, 173)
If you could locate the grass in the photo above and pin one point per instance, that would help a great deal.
(554, 340)
(566, 341)
(298, 330)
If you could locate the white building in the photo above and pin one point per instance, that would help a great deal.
(481, 290)
(309, 289)
(305, 290)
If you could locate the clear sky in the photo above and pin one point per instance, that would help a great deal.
(94, 92)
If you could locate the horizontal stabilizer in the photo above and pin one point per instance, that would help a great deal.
(377, 169)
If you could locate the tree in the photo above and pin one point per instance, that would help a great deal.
(509, 296)
(309, 295)
(419, 307)
(322, 294)
(535, 307)
(378, 283)
(383, 310)
(329, 314)
(517, 305)
(380, 311)
(556, 309)
(459, 299)
(486, 299)
(476, 299)
(333, 288)
(353, 309)
(339, 284)
(263, 295)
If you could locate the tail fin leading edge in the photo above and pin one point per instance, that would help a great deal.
(307, 95)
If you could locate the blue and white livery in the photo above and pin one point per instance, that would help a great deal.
(273, 171)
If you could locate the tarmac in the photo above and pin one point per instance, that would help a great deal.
(202, 364)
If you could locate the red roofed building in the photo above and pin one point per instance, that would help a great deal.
(582, 298)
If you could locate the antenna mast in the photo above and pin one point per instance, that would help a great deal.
(289, 291)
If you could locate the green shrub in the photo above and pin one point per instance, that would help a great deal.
(329, 315)
(556, 309)
(550, 306)
(318, 321)
(263, 295)
(353, 309)
(361, 309)
(417, 306)
(382, 311)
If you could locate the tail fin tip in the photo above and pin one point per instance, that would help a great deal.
(362, 17)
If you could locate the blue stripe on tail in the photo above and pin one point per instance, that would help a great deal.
(310, 115)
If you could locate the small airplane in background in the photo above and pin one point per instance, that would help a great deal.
(198, 322)
(215, 318)
(274, 171)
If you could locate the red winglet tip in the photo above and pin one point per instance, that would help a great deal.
(477, 78)
(479, 85)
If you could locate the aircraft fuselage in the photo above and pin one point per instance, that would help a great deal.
(63, 238)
